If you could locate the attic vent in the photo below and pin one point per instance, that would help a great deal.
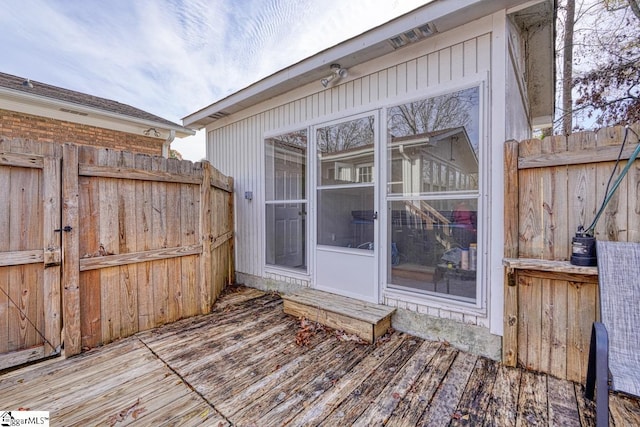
(412, 36)
(218, 115)
(79, 113)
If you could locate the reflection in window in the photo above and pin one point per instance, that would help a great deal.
(433, 160)
(433, 144)
(343, 146)
(345, 184)
(285, 200)
(346, 217)
(365, 173)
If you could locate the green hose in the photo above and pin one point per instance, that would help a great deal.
(590, 231)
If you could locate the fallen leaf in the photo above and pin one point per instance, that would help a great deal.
(137, 412)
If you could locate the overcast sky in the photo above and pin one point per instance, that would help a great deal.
(173, 57)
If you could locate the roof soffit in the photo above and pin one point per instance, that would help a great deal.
(443, 15)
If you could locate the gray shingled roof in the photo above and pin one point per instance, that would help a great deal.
(60, 94)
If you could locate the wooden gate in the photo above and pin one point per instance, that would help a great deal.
(98, 244)
(30, 254)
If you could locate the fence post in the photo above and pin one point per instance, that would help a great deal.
(232, 226)
(206, 238)
(70, 252)
(511, 214)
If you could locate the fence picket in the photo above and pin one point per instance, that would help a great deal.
(111, 244)
(561, 184)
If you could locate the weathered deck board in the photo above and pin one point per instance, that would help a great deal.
(241, 366)
(415, 402)
(356, 402)
(123, 381)
(532, 404)
(474, 402)
(324, 405)
(442, 409)
(381, 409)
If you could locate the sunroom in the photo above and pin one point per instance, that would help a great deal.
(373, 169)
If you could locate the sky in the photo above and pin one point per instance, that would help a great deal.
(172, 57)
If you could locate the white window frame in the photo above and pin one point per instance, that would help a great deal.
(480, 306)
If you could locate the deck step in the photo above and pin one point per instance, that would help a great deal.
(366, 320)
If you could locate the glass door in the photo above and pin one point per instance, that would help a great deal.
(346, 214)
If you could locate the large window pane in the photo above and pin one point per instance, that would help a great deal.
(434, 246)
(433, 188)
(286, 235)
(346, 217)
(345, 152)
(433, 144)
(286, 204)
(286, 160)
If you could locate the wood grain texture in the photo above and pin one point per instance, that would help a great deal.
(532, 402)
(127, 243)
(125, 255)
(52, 244)
(561, 184)
(89, 243)
(240, 365)
(71, 295)
(98, 262)
(21, 160)
(108, 239)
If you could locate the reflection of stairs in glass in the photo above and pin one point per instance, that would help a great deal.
(366, 320)
(433, 220)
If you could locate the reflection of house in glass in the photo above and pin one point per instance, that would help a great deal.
(442, 160)
(432, 234)
(353, 165)
(346, 184)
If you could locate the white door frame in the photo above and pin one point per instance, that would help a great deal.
(344, 264)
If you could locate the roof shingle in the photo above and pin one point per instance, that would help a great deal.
(82, 99)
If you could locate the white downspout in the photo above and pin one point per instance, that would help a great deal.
(166, 145)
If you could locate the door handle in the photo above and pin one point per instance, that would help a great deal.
(375, 215)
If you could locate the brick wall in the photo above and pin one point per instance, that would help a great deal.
(35, 128)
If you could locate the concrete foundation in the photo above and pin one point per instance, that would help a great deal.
(470, 338)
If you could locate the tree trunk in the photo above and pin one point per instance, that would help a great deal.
(635, 8)
(567, 69)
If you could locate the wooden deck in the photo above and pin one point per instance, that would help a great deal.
(249, 364)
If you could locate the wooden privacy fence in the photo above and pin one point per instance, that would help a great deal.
(103, 244)
(551, 187)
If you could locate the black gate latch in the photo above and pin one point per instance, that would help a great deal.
(66, 229)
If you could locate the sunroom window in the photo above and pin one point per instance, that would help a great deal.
(433, 176)
(286, 200)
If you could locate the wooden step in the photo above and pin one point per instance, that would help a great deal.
(366, 320)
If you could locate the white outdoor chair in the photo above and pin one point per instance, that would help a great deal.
(614, 353)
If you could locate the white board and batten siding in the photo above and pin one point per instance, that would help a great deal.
(444, 62)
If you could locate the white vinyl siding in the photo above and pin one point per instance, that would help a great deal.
(235, 143)
(237, 148)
